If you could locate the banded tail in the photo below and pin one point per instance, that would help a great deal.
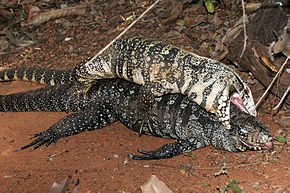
(38, 75)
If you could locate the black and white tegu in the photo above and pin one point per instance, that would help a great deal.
(164, 69)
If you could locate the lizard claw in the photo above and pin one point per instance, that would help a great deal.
(144, 152)
(147, 155)
(146, 118)
(44, 138)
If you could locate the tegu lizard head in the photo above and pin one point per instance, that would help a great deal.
(238, 95)
(248, 132)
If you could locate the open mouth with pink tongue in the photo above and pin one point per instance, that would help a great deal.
(237, 100)
(257, 137)
(268, 145)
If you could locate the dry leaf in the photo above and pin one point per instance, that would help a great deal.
(59, 187)
(283, 45)
(250, 7)
(154, 185)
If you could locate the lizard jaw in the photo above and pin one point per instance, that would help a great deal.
(268, 145)
(237, 100)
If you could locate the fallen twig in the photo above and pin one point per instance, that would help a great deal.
(46, 16)
(213, 168)
(245, 32)
(274, 79)
(282, 99)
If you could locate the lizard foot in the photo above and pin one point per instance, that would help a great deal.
(167, 151)
(146, 155)
(142, 109)
(44, 138)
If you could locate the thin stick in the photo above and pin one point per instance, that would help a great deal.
(245, 32)
(282, 99)
(276, 76)
(213, 168)
(125, 30)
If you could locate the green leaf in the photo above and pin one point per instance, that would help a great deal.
(130, 18)
(210, 49)
(205, 184)
(281, 139)
(233, 182)
(209, 6)
(237, 189)
(226, 188)
(180, 22)
(182, 171)
(22, 14)
(190, 154)
(233, 187)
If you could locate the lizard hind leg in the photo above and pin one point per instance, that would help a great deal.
(142, 107)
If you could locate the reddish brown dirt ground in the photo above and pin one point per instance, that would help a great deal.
(88, 159)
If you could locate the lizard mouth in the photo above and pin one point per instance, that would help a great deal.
(267, 145)
(237, 100)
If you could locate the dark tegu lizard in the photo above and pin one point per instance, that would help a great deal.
(105, 103)
(163, 69)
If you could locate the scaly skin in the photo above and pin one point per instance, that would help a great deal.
(163, 69)
(106, 101)
(38, 75)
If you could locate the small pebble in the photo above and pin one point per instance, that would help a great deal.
(116, 156)
(63, 6)
(126, 161)
(256, 185)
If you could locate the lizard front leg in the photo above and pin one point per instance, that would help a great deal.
(144, 103)
(94, 117)
(169, 150)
